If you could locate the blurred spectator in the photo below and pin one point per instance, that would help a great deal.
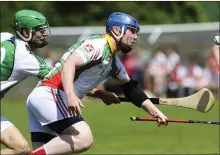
(212, 63)
(206, 78)
(213, 66)
(173, 59)
(134, 64)
(129, 62)
(156, 72)
(215, 51)
(174, 81)
(190, 82)
(51, 58)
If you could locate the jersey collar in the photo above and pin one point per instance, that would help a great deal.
(111, 45)
(18, 38)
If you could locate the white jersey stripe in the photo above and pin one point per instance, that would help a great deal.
(57, 104)
(61, 102)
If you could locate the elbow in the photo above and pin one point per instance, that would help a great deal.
(134, 94)
(145, 103)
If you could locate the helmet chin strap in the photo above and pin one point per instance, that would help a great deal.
(23, 38)
(121, 35)
(123, 47)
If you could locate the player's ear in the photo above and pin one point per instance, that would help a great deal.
(25, 33)
(116, 30)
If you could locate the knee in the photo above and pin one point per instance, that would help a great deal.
(22, 148)
(81, 143)
(81, 136)
(86, 142)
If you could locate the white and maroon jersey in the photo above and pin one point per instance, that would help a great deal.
(99, 63)
(18, 62)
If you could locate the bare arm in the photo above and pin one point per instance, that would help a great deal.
(139, 98)
(107, 97)
(68, 73)
(149, 107)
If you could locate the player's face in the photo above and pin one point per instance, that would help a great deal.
(41, 37)
(130, 37)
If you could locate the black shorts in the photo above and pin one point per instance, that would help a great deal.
(58, 127)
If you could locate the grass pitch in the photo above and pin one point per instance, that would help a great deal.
(114, 133)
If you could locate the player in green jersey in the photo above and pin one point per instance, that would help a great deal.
(18, 61)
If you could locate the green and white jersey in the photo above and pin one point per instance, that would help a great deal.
(99, 64)
(18, 62)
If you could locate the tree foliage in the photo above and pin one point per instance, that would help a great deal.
(83, 13)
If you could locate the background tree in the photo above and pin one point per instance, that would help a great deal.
(81, 13)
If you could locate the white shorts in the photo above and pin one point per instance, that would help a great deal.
(46, 105)
(5, 123)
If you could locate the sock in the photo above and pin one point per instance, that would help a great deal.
(40, 151)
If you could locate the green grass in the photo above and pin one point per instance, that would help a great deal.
(114, 133)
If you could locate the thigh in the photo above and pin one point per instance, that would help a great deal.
(5, 123)
(48, 105)
(81, 132)
(35, 125)
(48, 112)
(12, 138)
(78, 129)
(61, 125)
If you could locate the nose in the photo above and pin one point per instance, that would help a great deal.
(135, 37)
(44, 33)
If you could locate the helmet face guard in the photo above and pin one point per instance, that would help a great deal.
(43, 39)
(134, 33)
(125, 22)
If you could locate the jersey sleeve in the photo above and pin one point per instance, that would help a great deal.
(31, 64)
(89, 51)
(118, 70)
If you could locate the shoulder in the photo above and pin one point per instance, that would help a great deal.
(5, 36)
(97, 41)
(21, 46)
(94, 48)
(23, 52)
